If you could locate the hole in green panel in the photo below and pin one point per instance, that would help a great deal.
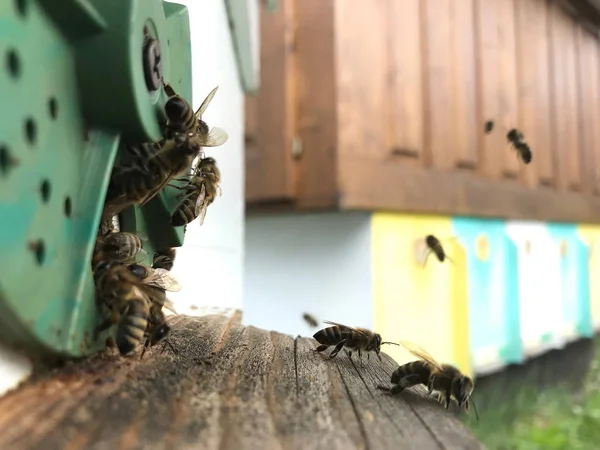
(68, 207)
(22, 6)
(30, 131)
(45, 189)
(13, 63)
(53, 107)
(4, 160)
(39, 250)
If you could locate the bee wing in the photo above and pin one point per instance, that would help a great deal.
(162, 278)
(420, 353)
(206, 102)
(169, 305)
(200, 200)
(216, 136)
(345, 327)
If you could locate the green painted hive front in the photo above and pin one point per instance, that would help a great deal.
(74, 83)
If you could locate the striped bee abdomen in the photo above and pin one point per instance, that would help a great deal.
(132, 326)
(330, 335)
(186, 210)
(412, 373)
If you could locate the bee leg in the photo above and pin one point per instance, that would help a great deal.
(321, 348)
(447, 399)
(430, 385)
(337, 349)
(379, 356)
(383, 388)
(146, 344)
(396, 389)
(349, 353)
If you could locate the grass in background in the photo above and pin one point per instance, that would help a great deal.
(550, 420)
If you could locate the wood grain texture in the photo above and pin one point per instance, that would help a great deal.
(229, 387)
(410, 85)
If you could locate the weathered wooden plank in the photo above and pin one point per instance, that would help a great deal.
(228, 387)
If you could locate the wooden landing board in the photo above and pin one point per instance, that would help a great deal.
(229, 387)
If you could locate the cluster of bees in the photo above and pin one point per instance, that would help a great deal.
(131, 295)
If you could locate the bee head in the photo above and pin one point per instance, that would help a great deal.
(159, 333)
(375, 344)
(175, 108)
(462, 388)
(102, 267)
(431, 240)
(514, 135)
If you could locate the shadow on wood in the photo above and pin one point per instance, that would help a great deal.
(229, 387)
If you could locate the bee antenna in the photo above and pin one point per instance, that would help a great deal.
(393, 343)
(474, 408)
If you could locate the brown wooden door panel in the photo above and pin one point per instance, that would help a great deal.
(566, 122)
(405, 85)
(589, 108)
(269, 136)
(362, 105)
(464, 102)
(362, 63)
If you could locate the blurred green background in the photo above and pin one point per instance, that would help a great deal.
(530, 418)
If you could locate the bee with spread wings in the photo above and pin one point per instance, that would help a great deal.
(444, 379)
(352, 338)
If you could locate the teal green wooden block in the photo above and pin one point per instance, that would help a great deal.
(57, 149)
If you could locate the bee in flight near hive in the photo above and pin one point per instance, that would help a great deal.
(488, 127)
(444, 379)
(199, 192)
(352, 338)
(434, 246)
(164, 259)
(183, 119)
(517, 140)
(310, 320)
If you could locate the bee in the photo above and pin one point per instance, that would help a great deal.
(489, 126)
(517, 140)
(155, 284)
(310, 320)
(349, 337)
(199, 192)
(435, 246)
(163, 259)
(119, 246)
(158, 329)
(183, 119)
(444, 379)
(149, 169)
(118, 291)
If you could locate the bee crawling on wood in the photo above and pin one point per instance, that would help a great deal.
(352, 338)
(310, 320)
(435, 246)
(443, 379)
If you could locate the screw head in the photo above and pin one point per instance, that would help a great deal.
(152, 64)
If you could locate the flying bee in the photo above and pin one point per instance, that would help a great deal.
(352, 338)
(198, 193)
(163, 259)
(183, 119)
(517, 140)
(150, 167)
(444, 379)
(488, 127)
(434, 246)
(310, 320)
(119, 246)
(118, 291)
